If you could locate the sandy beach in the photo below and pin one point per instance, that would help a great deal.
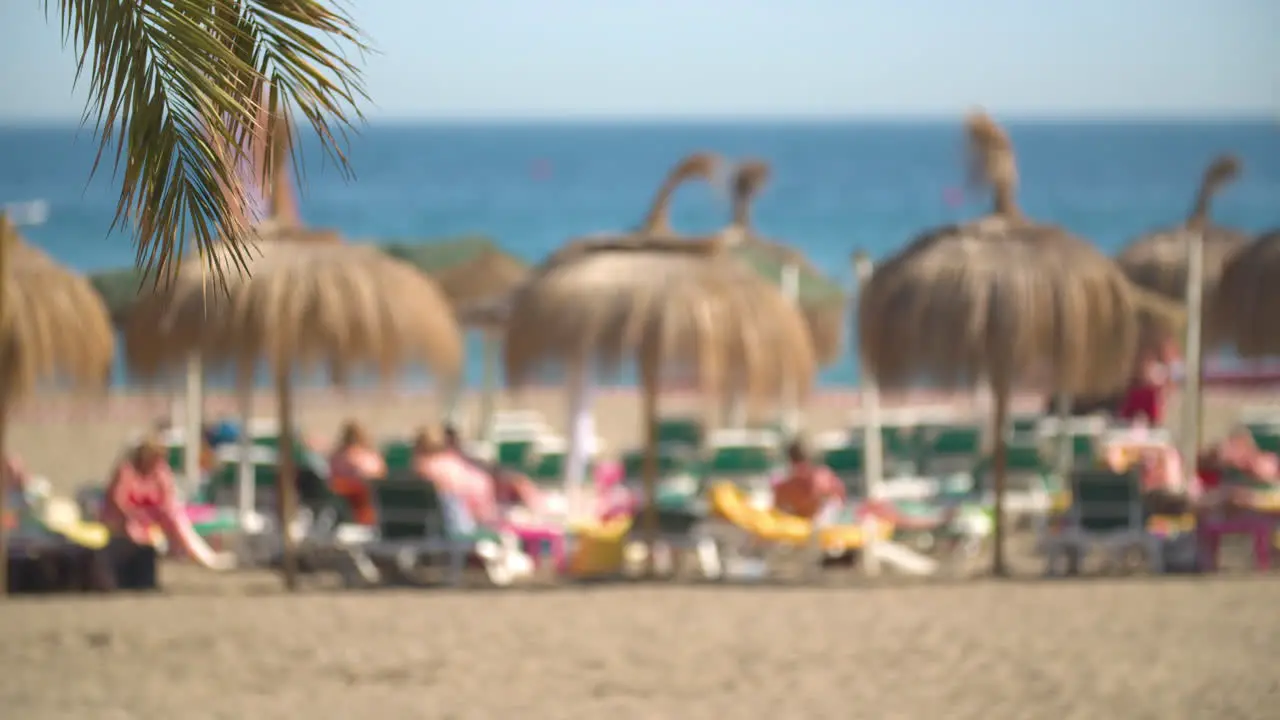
(234, 647)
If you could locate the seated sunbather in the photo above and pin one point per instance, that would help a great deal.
(811, 490)
(13, 473)
(1236, 453)
(140, 495)
(13, 480)
(354, 464)
(457, 479)
(511, 489)
(808, 487)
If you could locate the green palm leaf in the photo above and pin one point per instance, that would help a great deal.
(178, 88)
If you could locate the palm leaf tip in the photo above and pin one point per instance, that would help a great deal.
(177, 87)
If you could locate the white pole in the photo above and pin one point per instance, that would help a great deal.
(582, 434)
(1064, 461)
(1191, 378)
(872, 449)
(194, 419)
(790, 283)
(246, 483)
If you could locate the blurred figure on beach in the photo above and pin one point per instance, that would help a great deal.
(13, 480)
(13, 474)
(466, 487)
(141, 496)
(1144, 401)
(812, 491)
(809, 489)
(355, 463)
(511, 489)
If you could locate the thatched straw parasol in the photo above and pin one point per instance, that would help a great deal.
(1242, 309)
(53, 327)
(1158, 261)
(1002, 298)
(820, 298)
(307, 301)
(476, 289)
(663, 302)
(490, 275)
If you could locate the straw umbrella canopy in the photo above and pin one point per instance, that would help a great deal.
(491, 274)
(664, 302)
(1001, 298)
(820, 298)
(53, 327)
(1242, 309)
(1158, 260)
(305, 301)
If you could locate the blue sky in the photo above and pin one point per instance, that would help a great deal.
(736, 58)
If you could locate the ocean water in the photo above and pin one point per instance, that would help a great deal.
(836, 187)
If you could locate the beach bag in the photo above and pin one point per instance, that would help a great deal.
(134, 566)
(59, 568)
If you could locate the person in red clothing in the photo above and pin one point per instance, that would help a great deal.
(811, 490)
(1144, 401)
(808, 487)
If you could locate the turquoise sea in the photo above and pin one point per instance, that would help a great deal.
(836, 186)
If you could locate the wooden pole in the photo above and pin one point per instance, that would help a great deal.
(872, 437)
(5, 240)
(1194, 352)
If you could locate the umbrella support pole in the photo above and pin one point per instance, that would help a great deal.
(5, 241)
(999, 469)
(246, 485)
(5, 510)
(581, 435)
(1190, 405)
(193, 420)
(286, 482)
(1064, 459)
(488, 383)
(649, 410)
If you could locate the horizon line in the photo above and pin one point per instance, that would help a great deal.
(1103, 117)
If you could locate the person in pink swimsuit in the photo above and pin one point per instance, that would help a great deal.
(457, 478)
(141, 495)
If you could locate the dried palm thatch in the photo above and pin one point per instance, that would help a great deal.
(1002, 298)
(664, 302)
(301, 305)
(305, 301)
(1242, 310)
(1158, 260)
(491, 275)
(53, 327)
(820, 297)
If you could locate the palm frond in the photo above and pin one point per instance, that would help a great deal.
(178, 87)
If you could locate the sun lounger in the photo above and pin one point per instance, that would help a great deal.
(946, 449)
(742, 525)
(681, 433)
(416, 527)
(1106, 511)
(741, 462)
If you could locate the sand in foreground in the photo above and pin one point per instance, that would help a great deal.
(235, 648)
